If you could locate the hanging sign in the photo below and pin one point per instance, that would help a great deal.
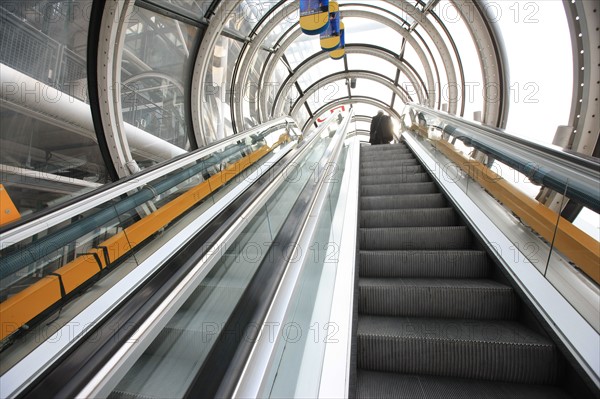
(330, 38)
(314, 16)
(340, 51)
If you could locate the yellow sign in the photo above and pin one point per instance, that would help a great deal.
(314, 16)
(341, 50)
(330, 38)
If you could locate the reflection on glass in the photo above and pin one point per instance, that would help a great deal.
(170, 363)
(97, 240)
(153, 71)
(327, 93)
(372, 32)
(44, 159)
(191, 8)
(366, 62)
(296, 373)
(300, 49)
(216, 102)
(319, 71)
(369, 88)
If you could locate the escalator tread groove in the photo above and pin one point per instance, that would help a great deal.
(432, 321)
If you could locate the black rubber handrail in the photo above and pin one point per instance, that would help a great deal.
(576, 175)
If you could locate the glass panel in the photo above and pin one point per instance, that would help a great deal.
(279, 75)
(297, 372)
(539, 102)
(169, 364)
(469, 58)
(48, 148)
(411, 56)
(251, 98)
(388, 10)
(589, 221)
(191, 8)
(282, 27)
(104, 238)
(365, 109)
(247, 14)
(155, 60)
(320, 70)
(217, 93)
(301, 116)
(370, 88)
(362, 30)
(371, 63)
(328, 93)
(300, 49)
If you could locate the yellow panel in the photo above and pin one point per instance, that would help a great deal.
(78, 271)
(27, 304)
(576, 245)
(117, 246)
(8, 210)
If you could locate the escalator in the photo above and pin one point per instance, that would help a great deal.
(179, 329)
(436, 317)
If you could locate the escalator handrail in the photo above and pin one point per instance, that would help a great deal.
(221, 371)
(27, 227)
(562, 171)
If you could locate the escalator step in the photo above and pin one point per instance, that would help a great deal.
(448, 298)
(436, 200)
(383, 148)
(387, 163)
(372, 384)
(392, 170)
(399, 189)
(488, 350)
(441, 264)
(410, 217)
(415, 238)
(387, 156)
(395, 179)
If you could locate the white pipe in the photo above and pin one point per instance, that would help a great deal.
(35, 174)
(25, 92)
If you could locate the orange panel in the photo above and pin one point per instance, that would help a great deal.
(78, 271)
(8, 210)
(27, 304)
(576, 245)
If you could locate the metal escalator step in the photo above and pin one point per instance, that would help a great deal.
(415, 238)
(441, 264)
(410, 217)
(399, 189)
(387, 163)
(387, 156)
(448, 298)
(373, 384)
(391, 170)
(383, 148)
(488, 350)
(395, 179)
(436, 200)
(128, 395)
